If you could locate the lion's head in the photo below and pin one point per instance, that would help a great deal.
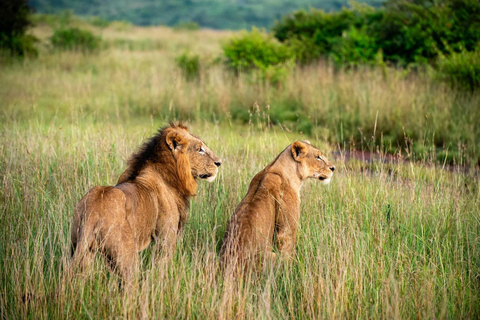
(203, 163)
(311, 162)
(180, 156)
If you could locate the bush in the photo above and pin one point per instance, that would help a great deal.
(355, 47)
(14, 22)
(461, 70)
(189, 64)
(23, 45)
(257, 51)
(313, 34)
(75, 39)
(406, 31)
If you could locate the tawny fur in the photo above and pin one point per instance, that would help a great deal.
(149, 202)
(272, 205)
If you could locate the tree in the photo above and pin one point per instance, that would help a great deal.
(14, 22)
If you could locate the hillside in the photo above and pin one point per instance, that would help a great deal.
(215, 14)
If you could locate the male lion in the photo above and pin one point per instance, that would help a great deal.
(149, 202)
(272, 205)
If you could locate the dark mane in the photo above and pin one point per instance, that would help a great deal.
(147, 152)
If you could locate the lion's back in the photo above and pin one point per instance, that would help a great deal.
(97, 206)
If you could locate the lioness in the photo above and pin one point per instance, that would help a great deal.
(272, 205)
(149, 202)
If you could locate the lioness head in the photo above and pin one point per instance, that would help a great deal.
(203, 162)
(311, 162)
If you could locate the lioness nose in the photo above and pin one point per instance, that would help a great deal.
(332, 168)
(218, 163)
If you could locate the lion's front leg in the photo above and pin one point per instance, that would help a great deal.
(167, 235)
(287, 224)
(286, 242)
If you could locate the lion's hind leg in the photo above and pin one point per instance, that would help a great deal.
(120, 251)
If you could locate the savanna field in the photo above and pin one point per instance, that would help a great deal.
(385, 239)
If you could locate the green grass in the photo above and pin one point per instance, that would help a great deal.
(383, 240)
(394, 241)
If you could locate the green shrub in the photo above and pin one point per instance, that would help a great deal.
(460, 69)
(23, 45)
(313, 34)
(14, 22)
(355, 47)
(189, 64)
(406, 31)
(259, 53)
(75, 39)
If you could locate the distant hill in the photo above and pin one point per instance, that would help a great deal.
(217, 14)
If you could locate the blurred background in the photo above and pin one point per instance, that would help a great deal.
(216, 14)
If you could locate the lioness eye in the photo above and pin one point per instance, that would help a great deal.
(202, 151)
(319, 158)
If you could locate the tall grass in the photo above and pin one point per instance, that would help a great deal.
(383, 240)
(393, 241)
(136, 76)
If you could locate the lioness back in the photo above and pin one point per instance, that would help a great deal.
(272, 205)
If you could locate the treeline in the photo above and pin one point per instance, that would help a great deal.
(217, 14)
(444, 35)
(402, 31)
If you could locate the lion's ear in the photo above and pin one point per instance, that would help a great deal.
(175, 141)
(299, 150)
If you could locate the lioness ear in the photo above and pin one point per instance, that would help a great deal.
(307, 141)
(299, 150)
(175, 141)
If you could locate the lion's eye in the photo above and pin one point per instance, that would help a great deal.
(319, 158)
(201, 151)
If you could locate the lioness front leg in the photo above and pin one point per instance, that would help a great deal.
(286, 228)
(285, 242)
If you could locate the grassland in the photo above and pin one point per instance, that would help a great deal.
(383, 240)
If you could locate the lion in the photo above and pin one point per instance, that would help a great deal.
(150, 201)
(271, 208)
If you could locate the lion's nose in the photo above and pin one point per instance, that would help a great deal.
(218, 163)
(332, 168)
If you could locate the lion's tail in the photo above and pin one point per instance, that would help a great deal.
(82, 251)
(83, 234)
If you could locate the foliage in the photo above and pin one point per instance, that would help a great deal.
(405, 31)
(75, 39)
(217, 14)
(355, 47)
(23, 45)
(257, 51)
(314, 34)
(461, 69)
(189, 64)
(14, 22)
